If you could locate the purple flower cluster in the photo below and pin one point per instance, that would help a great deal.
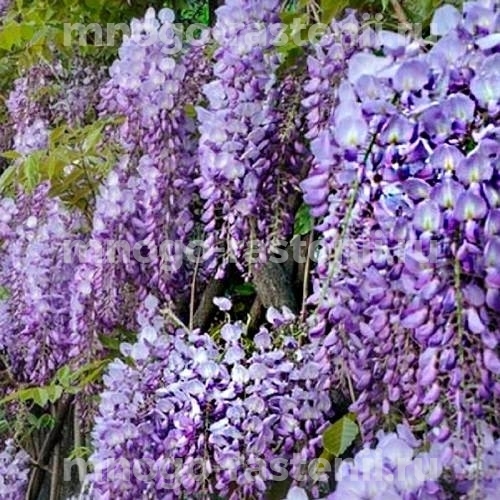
(407, 287)
(14, 471)
(398, 468)
(78, 92)
(472, 470)
(47, 95)
(4, 6)
(242, 171)
(325, 66)
(35, 317)
(28, 112)
(394, 469)
(146, 202)
(404, 184)
(203, 414)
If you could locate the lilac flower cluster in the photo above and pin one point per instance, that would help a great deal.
(50, 94)
(471, 476)
(289, 157)
(413, 148)
(325, 66)
(396, 468)
(148, 197)
(240, 159)
(404, 184)
(393, 469)
(4, 6)
(14, 471)
(204, 412)
(78, 93)
(28, 111)
(35, 331)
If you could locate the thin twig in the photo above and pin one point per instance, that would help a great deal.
(349, 382)
(167, 311)
(51, 440)
(54, 480)
(193, 292)
(77, 436)
(305, 281)
(400, 14)
(77, 433)
(313, 11)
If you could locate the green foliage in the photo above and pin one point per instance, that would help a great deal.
(244, 290)
(4, 293)
(340, 435)
(38, 395)
(4, 425)
(332, 8)
(112, 342)
(75, 163)
(44, 421)
(421, 11)
(65, 381)
(80, 452)
(304, 223)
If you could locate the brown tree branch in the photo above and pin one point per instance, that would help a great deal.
(51, 440)
(274, 287)
(206, 306)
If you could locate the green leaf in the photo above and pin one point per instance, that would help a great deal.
(331, 9)
(10, 35)
(92, 138)
(109, 342)
(304, 223)
(292, 56)
(4, 293)
(63, 376)
(244, 290)
(56, 134)
(7, 178)
(10, 155)
(339, 436)
(90, 372)
(80, 452)
(31, 171)
(54, 392)
(45, 421)
(4, 426)
(190, 110)
(28, 31)
(40, 396)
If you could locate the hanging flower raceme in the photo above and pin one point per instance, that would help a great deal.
(398, 468)
(143, 215)
(78, 93)
(14, 471)
(4, 6)
(468, 475)
(393, 469)
(29, 114)
(240, 174)
(146, 86)
(48, 95)
(199, 415)
(38, 245)
(406, 286)
(289, 157)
